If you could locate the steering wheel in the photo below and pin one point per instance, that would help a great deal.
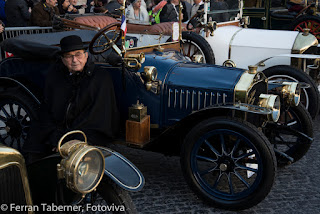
(105, 39)
(194, 22)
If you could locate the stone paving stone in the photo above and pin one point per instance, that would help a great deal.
(296, 188)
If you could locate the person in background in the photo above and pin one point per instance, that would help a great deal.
(135, 12)
(99, 6)
(113, 7)
(198, 5)
(188, 7)
(42, 13)
(2, 12)
(170, 12)
(78, 7)
(1, 27)
(64, 7)
(154, 13)
(17, 13)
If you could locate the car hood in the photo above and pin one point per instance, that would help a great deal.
(174, 69)
(249, 46)
(204, 76)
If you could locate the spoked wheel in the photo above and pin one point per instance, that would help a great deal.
(292, 136)
(194, 44)
(307, 21)
(228, 162)
(16, 113)
(105, 39)
(309, 96)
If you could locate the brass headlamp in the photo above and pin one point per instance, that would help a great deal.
(291, 93)
(271, 102)
(82, 166)
(149, 75)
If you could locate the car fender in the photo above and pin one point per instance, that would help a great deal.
(121, 170)
(283, 59)
(9, 82)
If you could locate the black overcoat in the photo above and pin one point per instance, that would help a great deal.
(84, 101)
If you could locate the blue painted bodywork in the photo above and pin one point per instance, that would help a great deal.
(185, 87)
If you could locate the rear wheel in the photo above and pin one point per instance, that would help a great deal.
(193, 44)
(228, 162)
(309, 96)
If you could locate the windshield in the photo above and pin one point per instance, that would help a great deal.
(223, 10)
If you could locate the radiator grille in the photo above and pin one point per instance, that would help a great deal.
(11, 186)
(259, 88)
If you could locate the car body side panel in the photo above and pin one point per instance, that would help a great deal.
(220, 42)
(244, 42)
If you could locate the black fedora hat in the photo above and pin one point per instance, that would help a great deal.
(71, 43)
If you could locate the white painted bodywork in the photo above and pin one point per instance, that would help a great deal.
(250, 46)
(146, 39)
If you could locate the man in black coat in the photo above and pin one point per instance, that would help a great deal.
(17, 12)
(76, 97)
(170, 12)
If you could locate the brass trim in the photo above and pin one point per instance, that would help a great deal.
(303, 42)
(229, 63)
(291, 93)
(271, 102)
(150, 48)
(231, 40)
(245, 83)
(10, 156)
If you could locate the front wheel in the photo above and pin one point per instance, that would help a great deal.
(228, 163)
(109, 198)
(309, 96)
(292, 135)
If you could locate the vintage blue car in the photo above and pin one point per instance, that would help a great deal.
(229, 132)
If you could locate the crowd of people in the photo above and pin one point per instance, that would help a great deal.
(22, 13)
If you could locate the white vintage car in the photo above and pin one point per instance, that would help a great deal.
(279, 54)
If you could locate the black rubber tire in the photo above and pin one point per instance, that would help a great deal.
(191, 38)
(301, 120)
(16, 98)
(310, 96)
(112, 194)
(264, 153)
(302, 22)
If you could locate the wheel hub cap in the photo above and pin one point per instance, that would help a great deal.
(13, 127)
(223, 167)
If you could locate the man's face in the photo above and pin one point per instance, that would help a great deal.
(75, 60)
(74, 2)
(51, 3)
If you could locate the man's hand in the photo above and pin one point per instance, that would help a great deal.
(1, 28)
(55, 149)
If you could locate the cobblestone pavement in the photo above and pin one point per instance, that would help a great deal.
(296, 189)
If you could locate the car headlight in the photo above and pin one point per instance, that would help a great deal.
(291, 93)
(82, 165)
(271, 102)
